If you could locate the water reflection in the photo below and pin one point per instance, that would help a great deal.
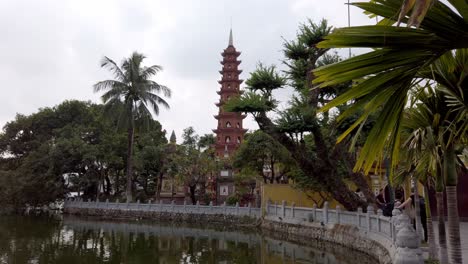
(73, 240)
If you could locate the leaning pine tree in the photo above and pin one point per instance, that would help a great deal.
(130, 98)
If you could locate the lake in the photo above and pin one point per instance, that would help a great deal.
(68, 240)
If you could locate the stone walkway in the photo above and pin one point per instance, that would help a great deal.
(464, 238)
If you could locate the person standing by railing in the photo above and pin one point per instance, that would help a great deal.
(422, 212)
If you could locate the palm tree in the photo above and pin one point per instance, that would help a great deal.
(400, 56)
(131, 97)
(422, 129)
(449, 72)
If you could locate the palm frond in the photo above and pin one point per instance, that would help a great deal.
(147, 72)
(108, 63)
(107, 85)
(153, 86)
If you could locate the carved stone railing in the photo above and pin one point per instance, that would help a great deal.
(394, 233)
(166, 208)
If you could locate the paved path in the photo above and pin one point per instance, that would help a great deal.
(464, 238)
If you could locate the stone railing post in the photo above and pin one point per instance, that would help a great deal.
(370, 212)
(293, 208)
(172, 206)
(224, 208)
(250, 209)
(283, 208)
(149, 204)
(325, 213)
(185, 205)
(408, 244)
(314, 211)
(276, 208)
(160, 205)
(358, 215)
(267, 209)
(379, 223)
(107, 203)
(237, 208)
(338, 214)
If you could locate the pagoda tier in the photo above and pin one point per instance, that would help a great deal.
(227, 130)
(228, 52)
(230, 80)
(230, 132)
(236, 72)
(228, 115)
(235, 62)
(230, 92)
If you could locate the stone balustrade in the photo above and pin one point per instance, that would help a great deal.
(390, 239)
(396, 234)
(171, 208)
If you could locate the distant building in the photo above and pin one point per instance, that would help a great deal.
(230, 132)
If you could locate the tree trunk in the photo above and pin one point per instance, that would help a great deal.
(272, 179)
(325, 173)
(453, 225)
(108, 184)
(192, 193)
(158, 187)
(129, 163)
(417, 210)
(117, 184)
(455, 253)
(430, 228)
(443, 254)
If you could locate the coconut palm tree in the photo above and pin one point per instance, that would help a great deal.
(130, 98)
(385, 75)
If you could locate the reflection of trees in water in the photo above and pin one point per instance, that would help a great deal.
(40, 240)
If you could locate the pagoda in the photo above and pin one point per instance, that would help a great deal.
(230, 132)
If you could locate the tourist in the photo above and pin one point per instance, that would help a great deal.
(422, 212)
(380, 199)
(384, 202)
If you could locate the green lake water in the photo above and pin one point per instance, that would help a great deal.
(70, 240)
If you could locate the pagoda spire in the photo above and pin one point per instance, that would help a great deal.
(230, 38)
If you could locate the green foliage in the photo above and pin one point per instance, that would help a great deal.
(261, 151)
(206, 141)
(265, 79)
(71, 147)
(250, 102)
(302, 53)
(389, 71)
(232, 200)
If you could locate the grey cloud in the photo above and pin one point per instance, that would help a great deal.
(50, 50)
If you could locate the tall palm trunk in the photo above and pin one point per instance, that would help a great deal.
(430, 227)
(417, 211)
(451, 176)
(443, 254)
(131, 132)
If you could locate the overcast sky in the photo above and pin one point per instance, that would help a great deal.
(50, 50)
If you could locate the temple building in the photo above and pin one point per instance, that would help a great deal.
(230, 132)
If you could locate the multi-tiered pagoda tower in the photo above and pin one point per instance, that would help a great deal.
(230, 132)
